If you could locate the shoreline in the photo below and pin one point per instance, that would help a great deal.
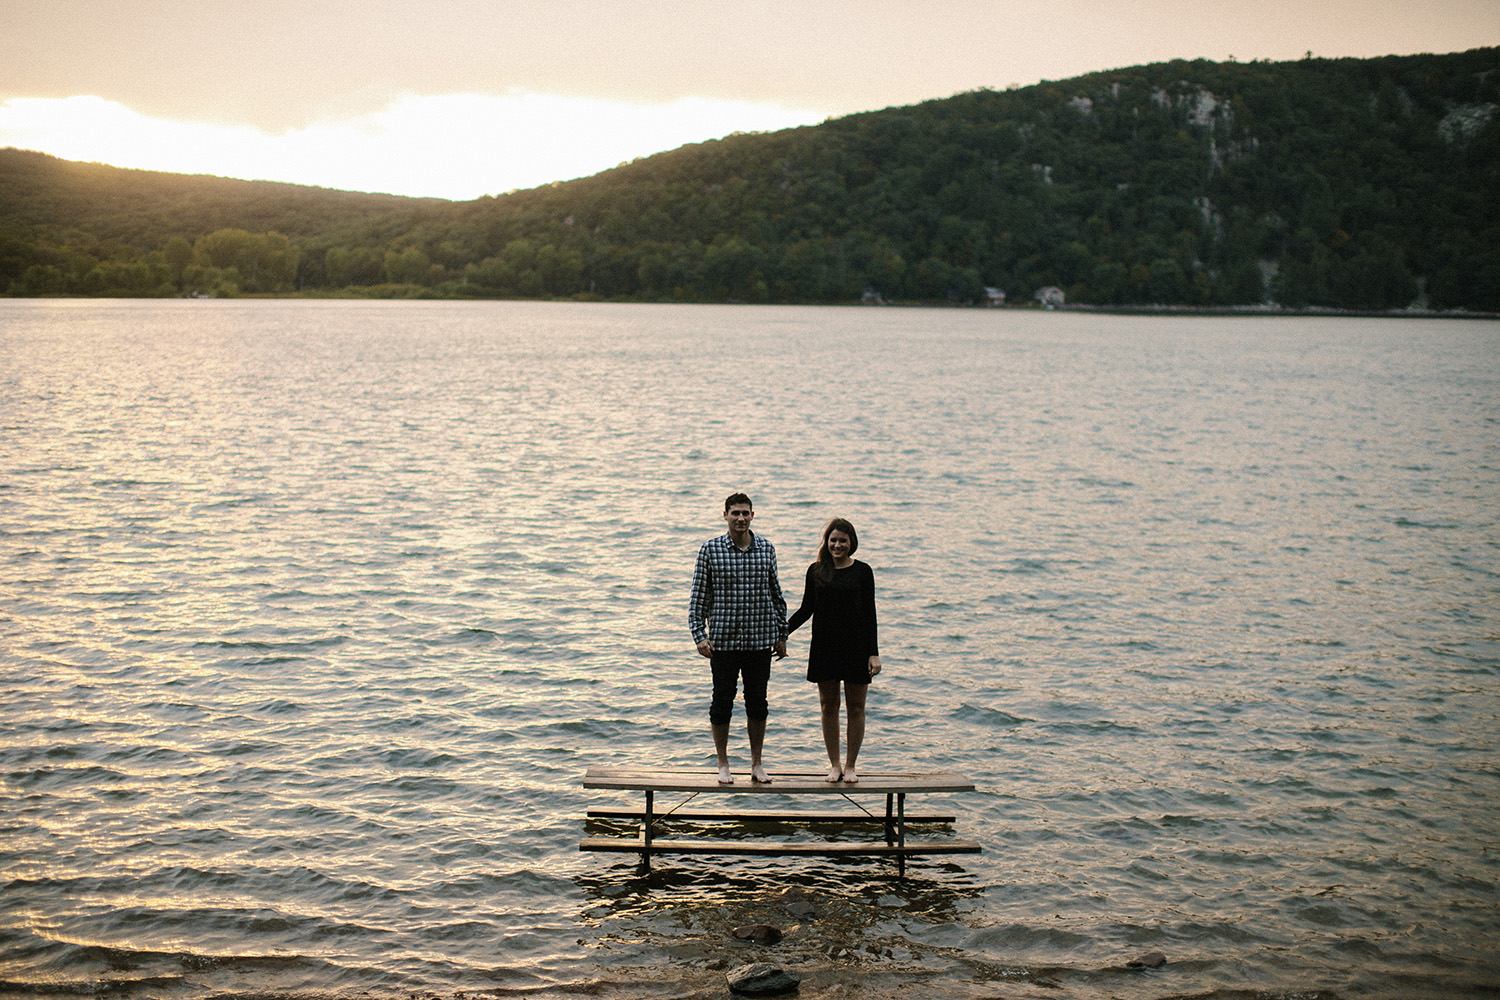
(1310, 312)
(343, 295)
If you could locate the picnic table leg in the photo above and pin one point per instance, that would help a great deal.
(890, 825)
(901, 833)
(646, 821)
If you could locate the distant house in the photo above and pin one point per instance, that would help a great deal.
(1050, 297)
(871, 298)
(993, 296)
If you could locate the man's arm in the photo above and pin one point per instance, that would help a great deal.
(778, 605)
(701, 603)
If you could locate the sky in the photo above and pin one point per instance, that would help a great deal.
(461, 98)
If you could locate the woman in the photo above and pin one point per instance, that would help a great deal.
(840, 599)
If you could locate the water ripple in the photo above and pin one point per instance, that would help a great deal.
(315, 613)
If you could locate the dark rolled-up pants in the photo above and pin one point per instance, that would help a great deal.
(728, 666)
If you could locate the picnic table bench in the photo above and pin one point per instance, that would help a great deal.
(895, 786)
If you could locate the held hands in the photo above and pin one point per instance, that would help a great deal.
(874, 665)
(779, 650)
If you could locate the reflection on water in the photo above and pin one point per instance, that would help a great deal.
(315, 613)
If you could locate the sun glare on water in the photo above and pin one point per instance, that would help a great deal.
(457, 146)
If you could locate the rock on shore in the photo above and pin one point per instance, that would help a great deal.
(762, 979)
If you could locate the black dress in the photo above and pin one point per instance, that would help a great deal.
(843, 616)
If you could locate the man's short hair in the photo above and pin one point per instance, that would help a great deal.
(735, 498)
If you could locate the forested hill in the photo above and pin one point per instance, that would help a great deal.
(1359, 184)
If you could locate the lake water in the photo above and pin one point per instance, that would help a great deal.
(314, 614)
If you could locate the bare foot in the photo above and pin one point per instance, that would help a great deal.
(850, 776)
(834, 774)
(725, 778)
(759, 776)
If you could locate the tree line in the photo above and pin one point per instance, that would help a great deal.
(1358, 184)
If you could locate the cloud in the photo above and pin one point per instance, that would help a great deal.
(456, 146)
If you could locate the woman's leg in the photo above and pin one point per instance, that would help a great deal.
(828, 699)
(855, 693)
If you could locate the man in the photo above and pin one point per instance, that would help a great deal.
(738, 619)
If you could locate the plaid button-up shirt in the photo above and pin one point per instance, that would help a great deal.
(736, 597)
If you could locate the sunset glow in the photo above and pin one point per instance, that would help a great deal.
(488, 144)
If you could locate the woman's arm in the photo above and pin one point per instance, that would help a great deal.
(809, 600)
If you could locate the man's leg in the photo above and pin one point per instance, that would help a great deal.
(757, 671)
(726, 678)
(756, 728)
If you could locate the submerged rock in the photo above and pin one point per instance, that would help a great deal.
(762, 979)
(801, 908)
(759, 933)
(1150, 960)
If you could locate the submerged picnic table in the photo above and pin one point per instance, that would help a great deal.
(895, 786)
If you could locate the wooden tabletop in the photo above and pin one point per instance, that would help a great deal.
(660, 779)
